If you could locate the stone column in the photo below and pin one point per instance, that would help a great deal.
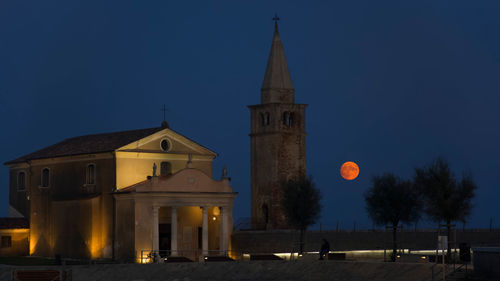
(205, 231)
(173, 223)
(156, 236)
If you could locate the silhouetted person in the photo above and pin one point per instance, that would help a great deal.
(325, 248)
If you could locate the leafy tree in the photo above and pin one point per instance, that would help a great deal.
(301, 204)
(445, 198)
(392, 201)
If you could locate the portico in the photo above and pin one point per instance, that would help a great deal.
(185, 214)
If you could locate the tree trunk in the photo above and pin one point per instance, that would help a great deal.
(448, 250)
(301, 243)
(394, 242)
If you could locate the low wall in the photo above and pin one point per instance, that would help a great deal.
(285, 241)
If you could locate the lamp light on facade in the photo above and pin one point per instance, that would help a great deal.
(216, 211)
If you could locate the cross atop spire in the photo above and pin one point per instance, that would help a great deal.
(277, 85)
(276, 19)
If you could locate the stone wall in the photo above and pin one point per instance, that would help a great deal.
(285, 241)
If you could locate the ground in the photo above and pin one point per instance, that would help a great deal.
(246, 270)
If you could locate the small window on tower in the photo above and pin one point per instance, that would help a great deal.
(21, 181)
(267, 119)
(285, 118)
(290, 119)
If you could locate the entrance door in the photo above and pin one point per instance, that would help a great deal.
(165, 235)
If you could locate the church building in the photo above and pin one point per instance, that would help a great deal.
(144, 194)
(131, 195)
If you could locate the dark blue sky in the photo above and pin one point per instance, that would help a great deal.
(390, 84)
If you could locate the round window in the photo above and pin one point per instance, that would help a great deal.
(165, 146)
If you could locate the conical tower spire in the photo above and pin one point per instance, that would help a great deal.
(277, 86)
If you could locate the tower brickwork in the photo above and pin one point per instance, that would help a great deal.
(277, 141)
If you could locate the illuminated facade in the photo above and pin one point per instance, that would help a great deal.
(122, 195)
(277, 141)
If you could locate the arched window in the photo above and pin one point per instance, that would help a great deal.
(45, 177)
(267, 118)
(290, 119)
(165, 169)
(90, 175)
(285, 118)
(21, 181)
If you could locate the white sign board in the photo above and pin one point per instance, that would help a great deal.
(442, 242)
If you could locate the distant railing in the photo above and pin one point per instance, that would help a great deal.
(150, 256)
(245, 223)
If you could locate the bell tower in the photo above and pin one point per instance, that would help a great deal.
(277, 140)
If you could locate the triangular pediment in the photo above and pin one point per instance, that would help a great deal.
(186, 180)
(176, 144)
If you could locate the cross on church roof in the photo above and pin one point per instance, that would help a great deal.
(276, 19)
(164, 123)
(164, 109)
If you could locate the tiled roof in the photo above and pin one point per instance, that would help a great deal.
(88, 144)
(9, 223)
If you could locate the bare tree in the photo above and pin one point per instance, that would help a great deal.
(446, 199)
(301, 205)
(392, 201)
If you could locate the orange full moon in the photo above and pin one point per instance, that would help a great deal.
(349, 170)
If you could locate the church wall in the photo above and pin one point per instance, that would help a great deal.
(19, 198)
(68, 175)
(132, 168)
(125, 230)
(105, 229)
(72, 228)
(143, 227)
(85, 225)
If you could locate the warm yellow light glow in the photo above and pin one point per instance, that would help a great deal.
(16, 230)
(214, 218)
(33, 239)
(96, 243)
(349, 170)
(146, 257)
(216, 211)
